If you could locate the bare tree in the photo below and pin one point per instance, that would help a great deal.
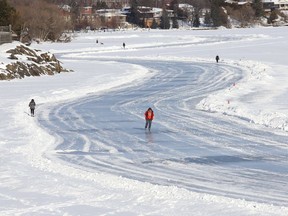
(114, 23)
(244, 14)
(40, 19)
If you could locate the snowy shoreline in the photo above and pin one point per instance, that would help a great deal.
(229, 100)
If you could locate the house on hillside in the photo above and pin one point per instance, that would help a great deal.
(112, 18)
(148, 15)
(111, 3)
(86, 13)
(268, 5)
(275, 4)
(66, 12)
(281, 4)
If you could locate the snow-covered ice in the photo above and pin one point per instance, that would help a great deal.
(218, 144)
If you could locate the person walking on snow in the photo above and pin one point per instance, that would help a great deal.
(217, 58)
(32, 106)
(149, 115)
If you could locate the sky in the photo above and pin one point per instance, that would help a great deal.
(217, 146)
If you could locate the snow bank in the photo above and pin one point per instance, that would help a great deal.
(245, 98)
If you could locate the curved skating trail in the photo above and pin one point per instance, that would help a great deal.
(200, 151)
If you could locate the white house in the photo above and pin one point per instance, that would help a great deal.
(112, 17)
(280, 4)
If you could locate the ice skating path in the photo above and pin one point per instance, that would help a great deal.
(200, 151)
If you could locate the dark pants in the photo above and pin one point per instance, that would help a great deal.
(148, 124)
(32, 111)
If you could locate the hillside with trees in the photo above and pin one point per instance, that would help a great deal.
(44, 20)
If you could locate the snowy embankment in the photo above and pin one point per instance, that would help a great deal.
(245, 99)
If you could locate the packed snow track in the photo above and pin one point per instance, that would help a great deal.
(188, 148)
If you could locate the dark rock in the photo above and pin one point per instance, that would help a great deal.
(38, 64)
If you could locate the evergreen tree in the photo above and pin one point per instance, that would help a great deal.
(154, 24)
(218, 16)
(175, 23)
(134, 16)
(273, 16)
(258, 7)
(196, 21)
(165, 20)
(207, 19)
(175, 7)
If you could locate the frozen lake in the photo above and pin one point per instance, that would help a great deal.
(187, 148)
(218, 144)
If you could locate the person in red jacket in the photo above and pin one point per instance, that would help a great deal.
(149, 115)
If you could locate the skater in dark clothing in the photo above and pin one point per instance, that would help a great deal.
(217, 58)
(149, 115)
(32, 106)
(124, 45)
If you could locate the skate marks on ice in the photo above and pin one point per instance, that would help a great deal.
(188, 148)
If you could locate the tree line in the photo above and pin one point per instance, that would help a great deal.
(42, 19)
(33, 18)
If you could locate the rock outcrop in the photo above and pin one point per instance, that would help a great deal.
(28, 62)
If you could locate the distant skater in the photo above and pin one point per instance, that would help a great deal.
(149, 115)
(32, 106)
(124, 45)
(217, 58)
